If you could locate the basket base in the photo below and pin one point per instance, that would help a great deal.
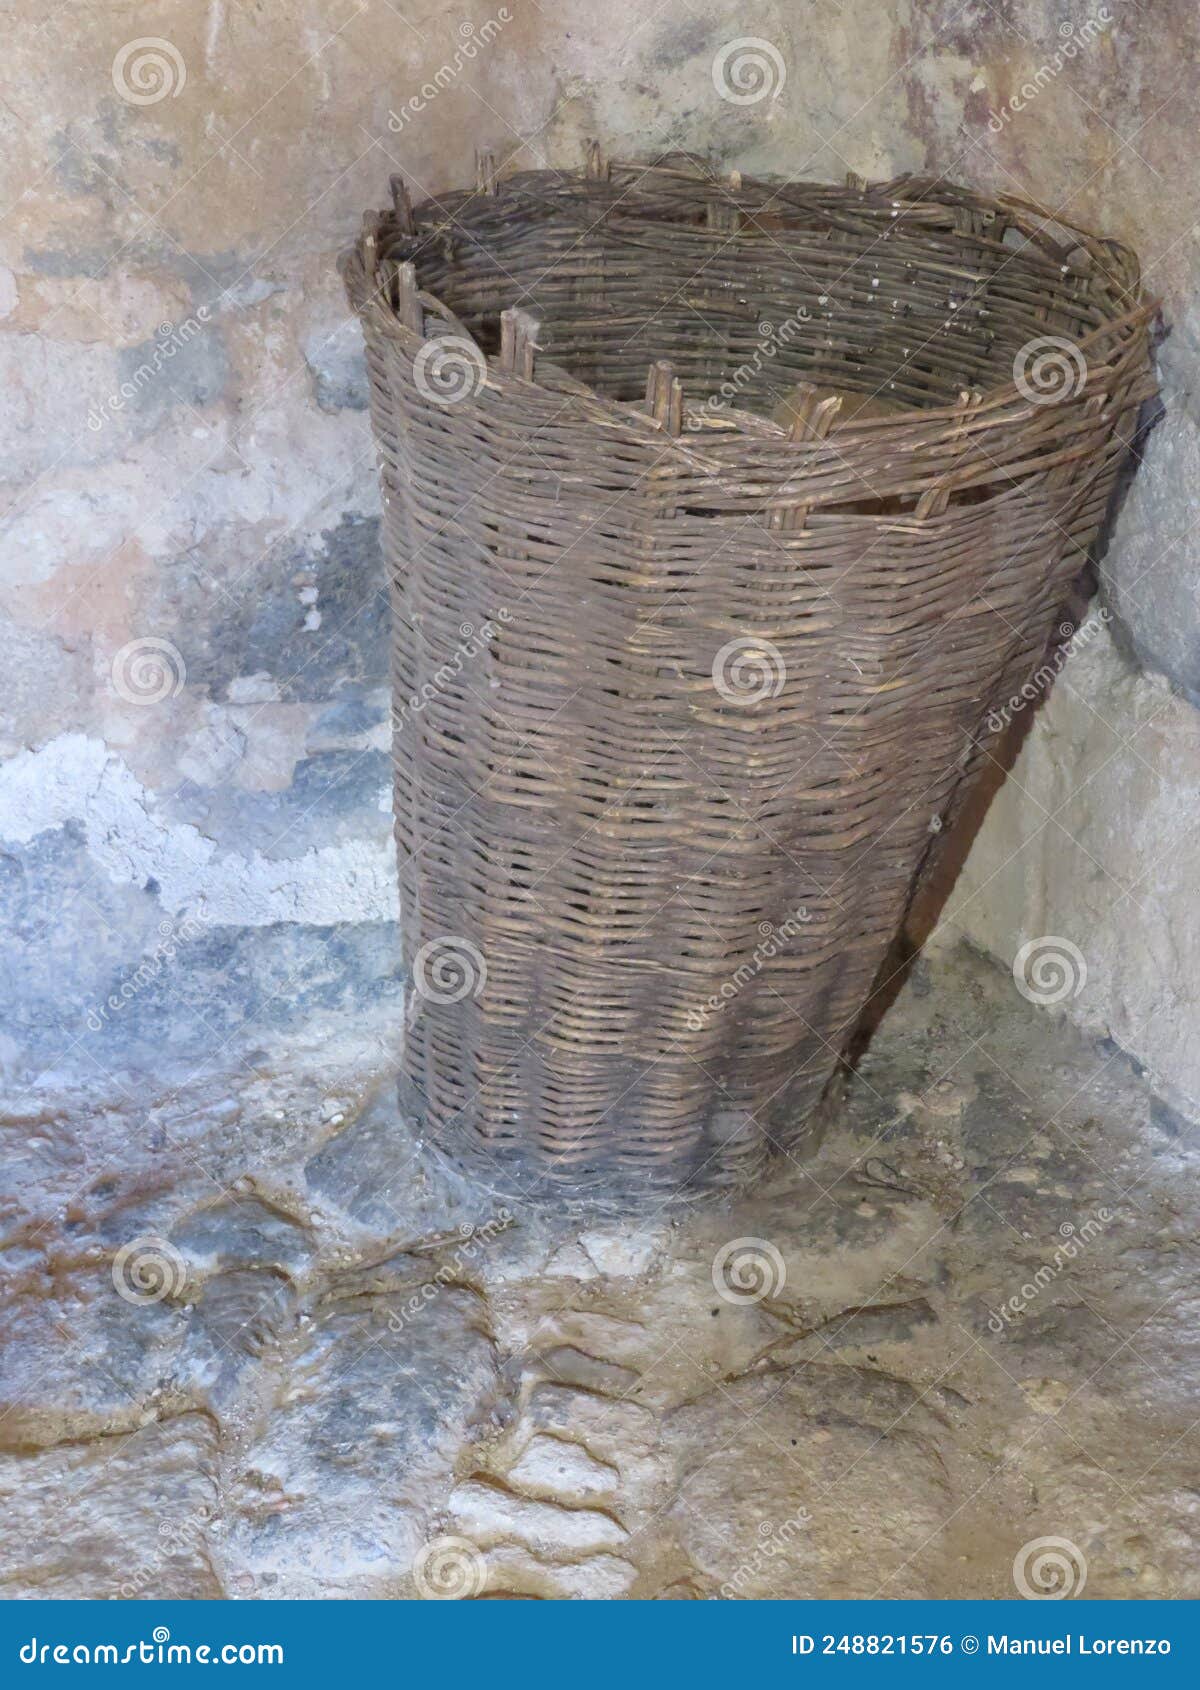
(616, 1186)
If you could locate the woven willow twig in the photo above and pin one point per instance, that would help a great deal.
(682, 696)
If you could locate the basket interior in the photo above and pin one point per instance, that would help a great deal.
(910, 303)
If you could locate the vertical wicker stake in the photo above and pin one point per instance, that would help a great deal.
(402, 205)
(370, 244)
(970, 222)
(856, 182)
(937, 500)
(408, 306)
(485, 173)
(813, 419)
(814, 415)
(1064, 475)
(595, 167)
(1079, 285)
(664, 402)
(518, 342)
(664, 397)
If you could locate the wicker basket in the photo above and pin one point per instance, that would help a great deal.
(684, 696)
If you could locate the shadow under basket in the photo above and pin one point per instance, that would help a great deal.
(685, 696)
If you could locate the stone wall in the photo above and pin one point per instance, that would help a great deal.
(194, 797)
(1089, 862)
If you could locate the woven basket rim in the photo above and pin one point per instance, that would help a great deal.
(1000, 405)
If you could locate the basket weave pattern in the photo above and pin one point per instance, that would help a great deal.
(684, 696)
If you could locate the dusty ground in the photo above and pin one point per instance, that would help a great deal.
(256, 1345)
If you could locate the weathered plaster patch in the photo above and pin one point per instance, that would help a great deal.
(334, 355)
(166, 371)
(75, 778)
(229, 635)
(36, 666)
(336, 796)
(73, 519)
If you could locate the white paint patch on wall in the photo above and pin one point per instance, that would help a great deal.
(76, 778)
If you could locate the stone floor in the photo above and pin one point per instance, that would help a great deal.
(257, 1345)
